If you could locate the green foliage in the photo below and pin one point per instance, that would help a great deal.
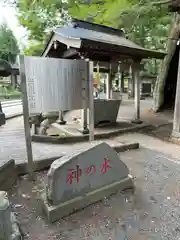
(143, 21)
(102, 12)
(8, 92)
(8, 44)
(34, 49)
(40, 16)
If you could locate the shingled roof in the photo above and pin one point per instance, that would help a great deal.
(81, 34)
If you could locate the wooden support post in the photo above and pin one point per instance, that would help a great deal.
(176, 121)
(84, 115)
(110, 82)
(84, 111)
(34, 128)
(104, 85)
(122, 81)
(88, 114)
(26, 119)
(132, 80)
(108, 86)
(61, 120)
(119, 78)
(91, 102)
(136, 68)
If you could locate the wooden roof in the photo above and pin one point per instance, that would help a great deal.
(97, 42)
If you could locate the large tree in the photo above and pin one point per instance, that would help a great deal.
(9, 48)
(39, 18)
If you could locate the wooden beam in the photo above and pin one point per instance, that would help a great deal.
(91, 101)
(27, 129)
(70, 53)
(136, 68)
(113, 50)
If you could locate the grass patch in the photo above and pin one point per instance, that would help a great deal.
(7, 92)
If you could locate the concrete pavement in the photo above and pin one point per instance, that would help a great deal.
(12, 108)
(12, 142)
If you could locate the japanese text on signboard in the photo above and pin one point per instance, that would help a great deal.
(76, 173)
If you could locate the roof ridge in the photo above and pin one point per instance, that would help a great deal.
(96, 27)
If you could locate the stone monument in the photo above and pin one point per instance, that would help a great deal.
(9, 229)
(77, 180)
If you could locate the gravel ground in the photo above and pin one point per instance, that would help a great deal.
(151, 212)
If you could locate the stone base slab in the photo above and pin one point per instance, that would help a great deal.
(137, 121)
(61, 122)
(55, 212)
(84, 130)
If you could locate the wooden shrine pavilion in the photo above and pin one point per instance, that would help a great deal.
(103, 45)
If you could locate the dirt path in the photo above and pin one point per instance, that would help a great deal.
(152, 212)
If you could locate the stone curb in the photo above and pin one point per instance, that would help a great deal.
(13, 116)
(72, 139)
(170, 139)
(45, 163)
(8, 175)
(39, 165)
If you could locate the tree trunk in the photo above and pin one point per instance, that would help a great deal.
(165, 64)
